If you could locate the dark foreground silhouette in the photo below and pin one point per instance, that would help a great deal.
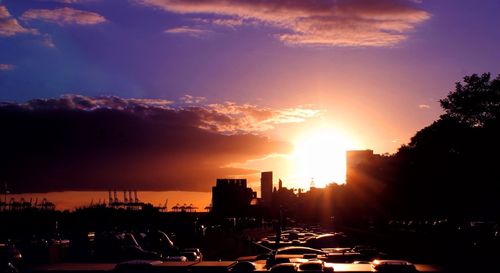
(435, 200)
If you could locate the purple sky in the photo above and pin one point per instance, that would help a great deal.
(374, 70)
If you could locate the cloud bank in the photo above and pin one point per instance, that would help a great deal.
(96, 143)
(317, 22)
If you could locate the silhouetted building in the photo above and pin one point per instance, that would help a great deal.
(366, 175)
(356, 162)
(231, 197)
(266, 188)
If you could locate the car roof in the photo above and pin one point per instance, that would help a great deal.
(284, 265)
(329, 235)
(296, 247)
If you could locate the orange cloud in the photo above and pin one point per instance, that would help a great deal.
(191, 31)
(9, 26)
(230, 117)
(231, 22)
(322, 22)
(64, 16)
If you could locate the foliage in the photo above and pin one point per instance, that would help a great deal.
(475, 102)
(449, 161)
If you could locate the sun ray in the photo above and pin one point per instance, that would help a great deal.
(320, 155)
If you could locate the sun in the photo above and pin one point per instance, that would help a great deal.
(320, 155)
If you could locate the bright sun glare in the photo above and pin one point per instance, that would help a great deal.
(320, 156)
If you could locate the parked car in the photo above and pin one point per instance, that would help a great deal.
(336, 240)
(299, 250)
(284, 268)
(315, 266)
(244, 266)
(192, 254)
(120, 247)
(10, 257)
(393, 266)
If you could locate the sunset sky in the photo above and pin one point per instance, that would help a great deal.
(171, 94)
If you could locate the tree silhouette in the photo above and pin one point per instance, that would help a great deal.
(446, 169)
(474, 102)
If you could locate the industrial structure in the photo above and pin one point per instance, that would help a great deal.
(23, 204)
(128, 202)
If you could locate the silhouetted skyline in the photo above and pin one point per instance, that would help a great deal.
(179, 94)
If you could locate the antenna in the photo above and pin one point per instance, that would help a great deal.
(6, 192)
(110, 198)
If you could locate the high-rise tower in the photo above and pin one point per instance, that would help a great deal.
(266, 187)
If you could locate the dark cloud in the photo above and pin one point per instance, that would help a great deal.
(84, 143)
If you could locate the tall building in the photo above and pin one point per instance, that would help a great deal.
(356, 163)
(266, 187)
(231, 197)
(366, 180)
